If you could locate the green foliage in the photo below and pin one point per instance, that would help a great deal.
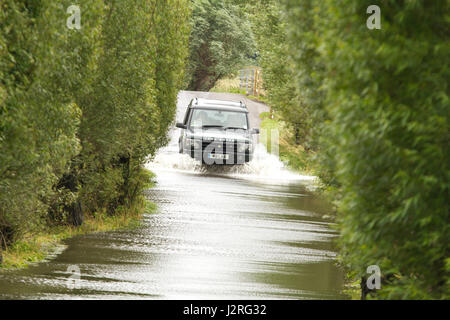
(38, 119)
(307, 76)
(143, 49)
(271, 27)
(80, 110)
(289, 152)
(221, 41)
(383, 126)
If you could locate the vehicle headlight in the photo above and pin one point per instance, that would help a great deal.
(188, 142)
(197, 145)
(241, 147)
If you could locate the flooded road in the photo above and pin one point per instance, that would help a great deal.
(236, 234)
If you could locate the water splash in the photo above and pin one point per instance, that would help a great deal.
(263, 167)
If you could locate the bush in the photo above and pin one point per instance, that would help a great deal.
(80, 110)
(385, 134)
(143, 49)
(38, 120)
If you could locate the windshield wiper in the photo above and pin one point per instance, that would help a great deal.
(212, 126)
(234, 128)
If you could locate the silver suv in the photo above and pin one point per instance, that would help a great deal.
(217, 132)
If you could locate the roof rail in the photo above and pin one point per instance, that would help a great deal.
(196, 101)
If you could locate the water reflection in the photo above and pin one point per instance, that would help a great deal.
(213, 237)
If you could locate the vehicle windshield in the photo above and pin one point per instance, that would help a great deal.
(202, 118)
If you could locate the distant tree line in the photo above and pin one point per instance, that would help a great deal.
(221, 41)
(80, 110)
(374, 106)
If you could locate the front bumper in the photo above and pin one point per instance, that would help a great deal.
(219, 153)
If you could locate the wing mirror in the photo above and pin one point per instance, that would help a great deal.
(255, 131)
(180, 125)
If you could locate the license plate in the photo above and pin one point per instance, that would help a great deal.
(218, 156)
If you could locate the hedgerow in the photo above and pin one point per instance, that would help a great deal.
(81, 109)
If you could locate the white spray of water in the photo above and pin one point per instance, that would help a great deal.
(263, 167)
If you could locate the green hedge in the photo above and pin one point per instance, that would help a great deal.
(80, 110)
(385, 135)
(374, 105)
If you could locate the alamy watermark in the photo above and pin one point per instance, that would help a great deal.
(236, 146)
(374, 20)
(374, 280)
(74, 20)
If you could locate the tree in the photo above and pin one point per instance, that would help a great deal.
(38, 117)
(221, 40)
(143, 50)
(269, 27)
(80, 110)
(386, 125)
(303, 24)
